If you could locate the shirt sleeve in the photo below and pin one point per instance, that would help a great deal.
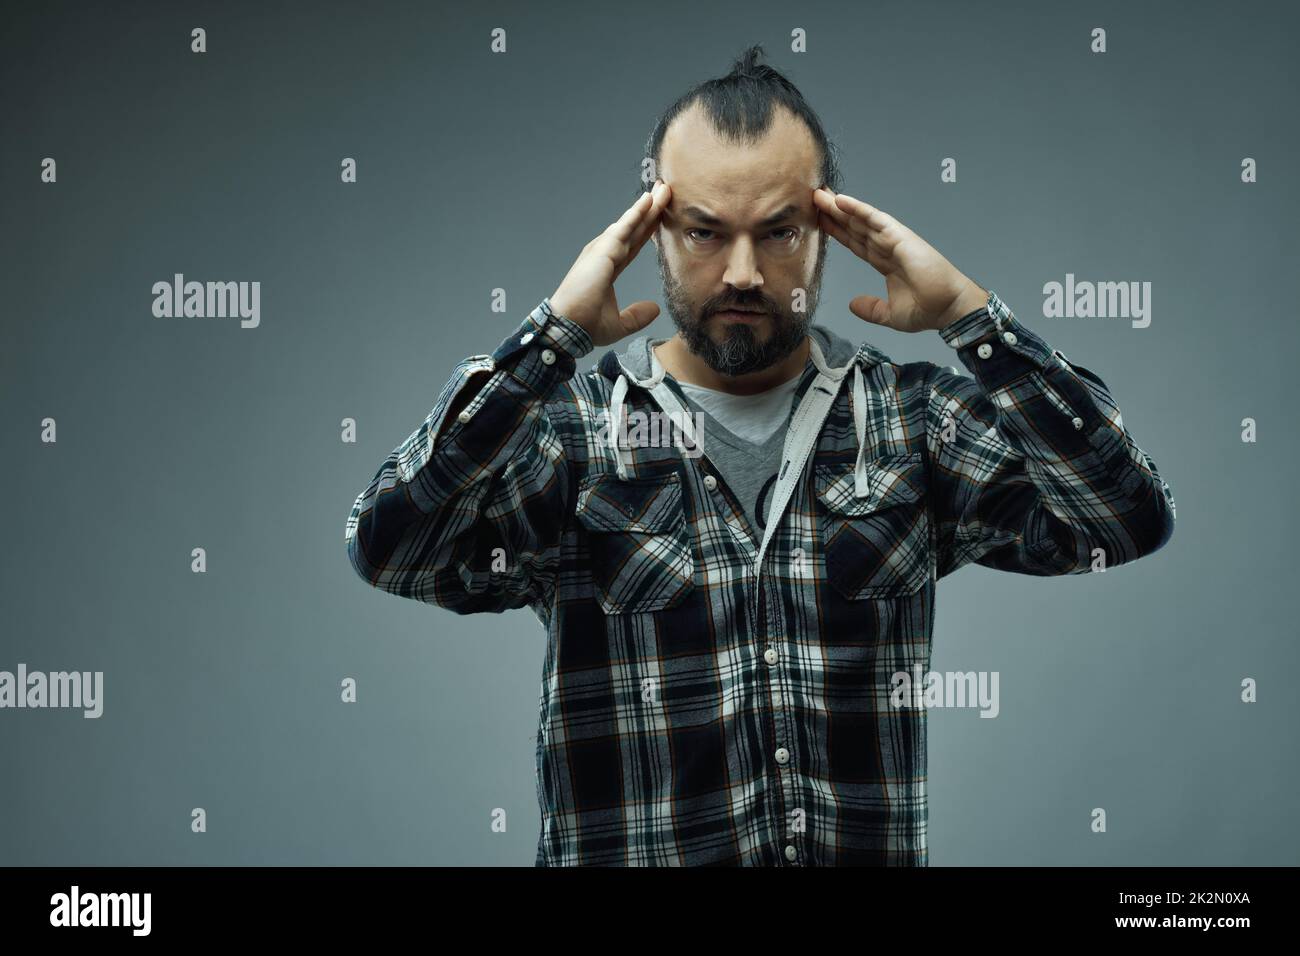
(472, 521)
(1032, 468)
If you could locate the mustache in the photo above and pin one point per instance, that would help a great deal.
(758, 305)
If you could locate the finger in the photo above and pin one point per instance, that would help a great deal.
(836, 231)
(637, 316)
(881, 241)
(622, 254)
(624, 238)
(865, 212)
(870, 307)
(825, 201)
(622, 228)
(862, 237)
(866, 221)
(613, 243)
(861, 247)
(660, 195)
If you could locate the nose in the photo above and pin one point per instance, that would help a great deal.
(742, 265)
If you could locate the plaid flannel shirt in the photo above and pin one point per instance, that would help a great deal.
(707, 699)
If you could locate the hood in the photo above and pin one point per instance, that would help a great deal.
(831, 358)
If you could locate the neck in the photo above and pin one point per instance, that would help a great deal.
(685, 366)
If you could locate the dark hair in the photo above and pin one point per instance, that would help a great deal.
(740, 106)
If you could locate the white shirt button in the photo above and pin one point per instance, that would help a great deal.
(984, 351)
(526, 338)
(769, 655)
(548, 357)
(1077, 423)
(790, 852)
(463, 417)
(1009, 338)
(782, 755)
(710, 482)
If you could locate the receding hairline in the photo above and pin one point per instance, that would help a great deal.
(698, 111)
(709, 218)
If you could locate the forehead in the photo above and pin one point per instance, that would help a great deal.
(739, 181)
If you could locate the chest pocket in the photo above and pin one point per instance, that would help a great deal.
(876, 546)
(641, 557)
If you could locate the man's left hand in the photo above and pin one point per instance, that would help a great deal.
(925, 291)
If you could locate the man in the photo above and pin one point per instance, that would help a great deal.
(725, 607)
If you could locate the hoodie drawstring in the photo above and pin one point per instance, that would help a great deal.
(615, 418)
(615, 414)
(860, 488)
(860, 426)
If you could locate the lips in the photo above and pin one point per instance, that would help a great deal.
(735, 316)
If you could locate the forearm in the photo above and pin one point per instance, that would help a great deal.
(425, 505)
(1061, 470)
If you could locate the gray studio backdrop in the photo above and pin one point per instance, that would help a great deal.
(481, 170)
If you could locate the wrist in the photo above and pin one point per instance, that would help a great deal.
(971, 299)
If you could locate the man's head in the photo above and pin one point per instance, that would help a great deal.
(743, 155)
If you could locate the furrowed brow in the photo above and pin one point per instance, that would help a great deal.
(699, 215)
(708, 219)
(785, 212)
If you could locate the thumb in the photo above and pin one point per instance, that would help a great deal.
(638, 315)
(870, 307)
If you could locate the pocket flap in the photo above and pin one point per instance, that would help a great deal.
(608, 503)
(891, 480)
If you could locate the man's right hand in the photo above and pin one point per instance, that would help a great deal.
(586, 296)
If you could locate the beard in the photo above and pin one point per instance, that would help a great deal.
(740, 351)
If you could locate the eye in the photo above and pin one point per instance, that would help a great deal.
(784, 229)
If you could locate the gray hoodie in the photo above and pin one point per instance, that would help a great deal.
(747, 469)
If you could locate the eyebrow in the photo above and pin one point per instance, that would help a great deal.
(699, 215)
